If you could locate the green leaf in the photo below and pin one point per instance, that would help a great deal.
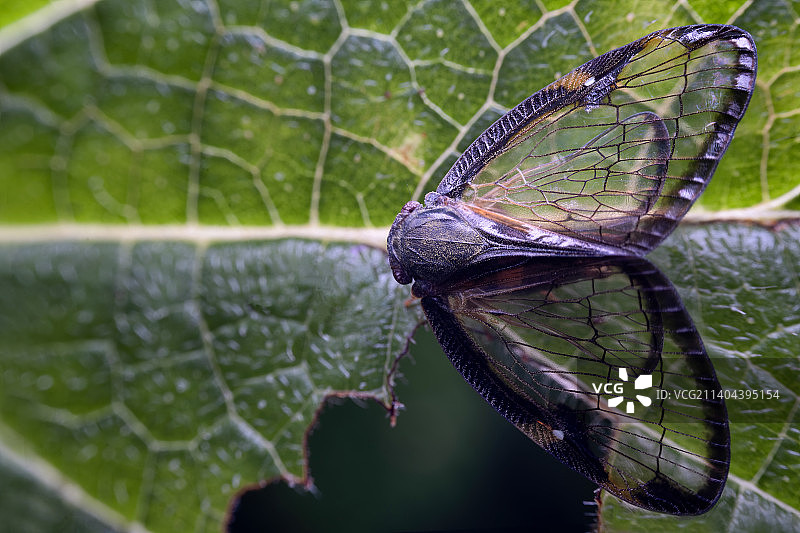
(14, 10)
(161, 369)
(163, 346)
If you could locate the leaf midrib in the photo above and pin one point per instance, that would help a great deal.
(370, 236)
(18, 234)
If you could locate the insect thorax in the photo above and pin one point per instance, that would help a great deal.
(431, 243)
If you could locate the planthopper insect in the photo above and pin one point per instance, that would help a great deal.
(528, 260)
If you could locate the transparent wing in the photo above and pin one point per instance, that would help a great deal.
(618, 150)
(558, 347)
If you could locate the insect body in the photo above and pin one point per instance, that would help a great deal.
(529, 262)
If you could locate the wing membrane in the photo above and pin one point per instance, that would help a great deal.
(618, 150)
(540, 339)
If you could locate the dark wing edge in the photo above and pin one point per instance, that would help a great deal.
(660, 492)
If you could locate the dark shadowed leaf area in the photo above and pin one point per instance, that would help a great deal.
(450, 461)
